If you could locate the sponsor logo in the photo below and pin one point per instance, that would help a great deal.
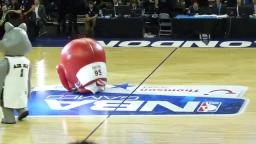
(174, 90)
(176, 43)
(158, 43)
(209, 107)
(118, 102)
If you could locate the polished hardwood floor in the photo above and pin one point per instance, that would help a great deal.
(186, 66)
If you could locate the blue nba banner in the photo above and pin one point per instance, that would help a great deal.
(62, 103)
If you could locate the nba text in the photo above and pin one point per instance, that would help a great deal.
(106, 103)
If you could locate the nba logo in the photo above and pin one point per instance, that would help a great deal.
(209, 107)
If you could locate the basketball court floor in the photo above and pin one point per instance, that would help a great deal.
(187, 66)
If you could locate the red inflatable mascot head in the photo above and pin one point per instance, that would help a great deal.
(83, 66)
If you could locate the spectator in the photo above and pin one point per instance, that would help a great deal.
(194, 9)
(29, 17)
(167, 6)
(39, 10)
(50, 8)
(72, 23)
(150, 6)
(3, 11)
(67, 10)
(71, 11)
(248, 2)
(254, 5)
(188, 3)
(14, 17)
(72, 18)
(27, 10)
(90, 19)
(135, 4)
(61, 29)
(117, 3)
(219, 8)
(3, 8)
(99, 4)
(2, 3)
(231, 3)
(203, 3)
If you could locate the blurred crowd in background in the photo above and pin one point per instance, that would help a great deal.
(37, 13)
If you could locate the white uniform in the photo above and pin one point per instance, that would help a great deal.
(15, 93)
(91, 76)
